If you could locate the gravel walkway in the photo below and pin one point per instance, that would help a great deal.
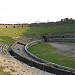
(15, 67)
(67, 49)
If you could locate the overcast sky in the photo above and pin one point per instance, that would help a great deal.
(28, 11)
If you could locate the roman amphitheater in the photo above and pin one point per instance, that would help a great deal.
(16, 59)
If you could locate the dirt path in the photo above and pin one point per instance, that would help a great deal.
(67, 49)
(17, 68)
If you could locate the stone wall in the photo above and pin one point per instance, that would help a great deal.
(59, 37)
(14, 25)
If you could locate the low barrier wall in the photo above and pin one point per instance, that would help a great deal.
(62, 40)
(30, 54)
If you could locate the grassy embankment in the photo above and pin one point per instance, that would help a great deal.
(6, 33)
(46, 52)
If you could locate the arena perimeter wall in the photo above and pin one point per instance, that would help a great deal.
(14, 25)
(55, 69)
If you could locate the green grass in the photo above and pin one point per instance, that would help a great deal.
(28, 31)
(16, 32)
(46, 52)
(6, 39)
(7, 34)
(12, 32)
(47, 29)
(69, 43)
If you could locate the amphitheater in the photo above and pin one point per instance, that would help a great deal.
(19, 51)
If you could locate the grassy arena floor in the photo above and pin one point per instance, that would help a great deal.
(46, 52)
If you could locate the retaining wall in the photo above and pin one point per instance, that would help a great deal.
(60, 37)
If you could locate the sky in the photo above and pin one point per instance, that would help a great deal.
(30, 11)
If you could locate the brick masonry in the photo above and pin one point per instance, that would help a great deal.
(14, 25)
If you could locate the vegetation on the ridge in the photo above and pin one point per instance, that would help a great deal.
(51, 28)
(16, 32)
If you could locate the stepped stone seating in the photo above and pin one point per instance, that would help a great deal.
(66, 36)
